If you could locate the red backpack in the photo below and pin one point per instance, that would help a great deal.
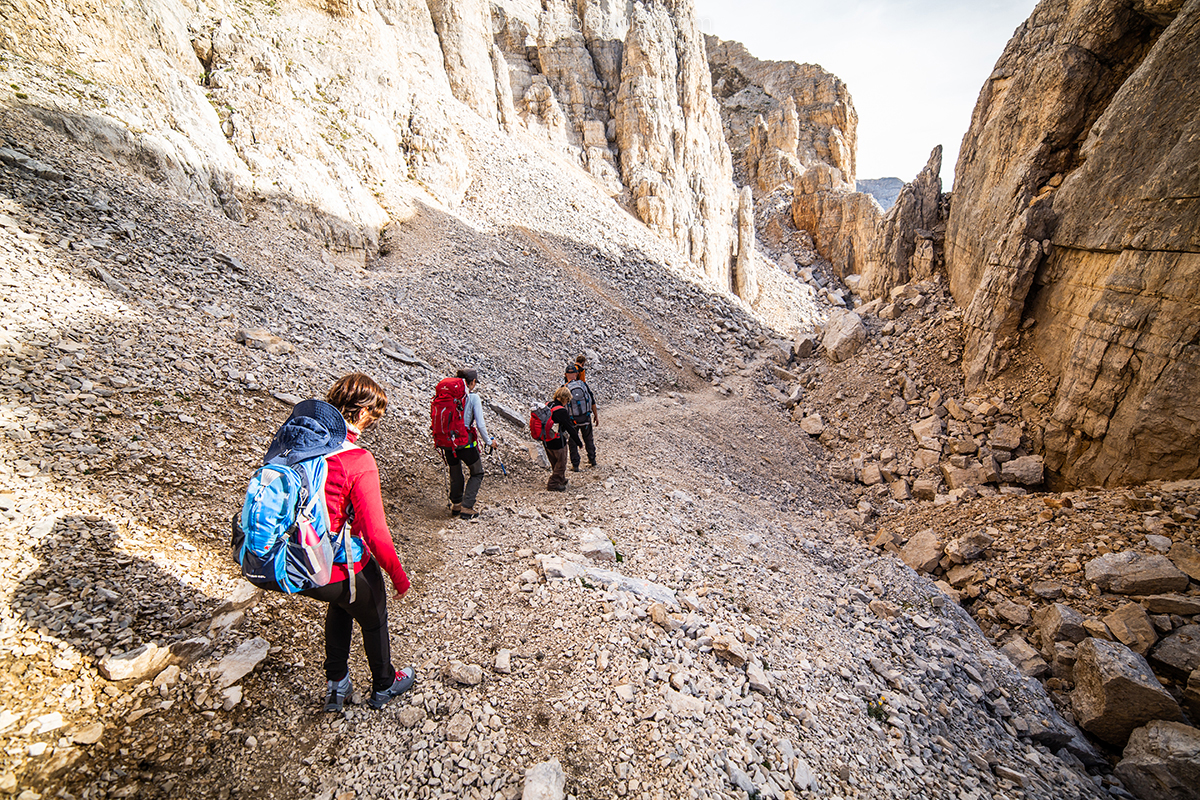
(541, 426)
(446, 413)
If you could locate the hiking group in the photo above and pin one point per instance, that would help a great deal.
(312, 521)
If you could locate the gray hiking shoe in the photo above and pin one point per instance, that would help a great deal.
(404, 681)
(336, 694)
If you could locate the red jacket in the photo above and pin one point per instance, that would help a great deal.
(353, 482)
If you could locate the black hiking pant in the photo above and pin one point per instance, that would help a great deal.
(369, 609)
(584, 429)
(460, 492)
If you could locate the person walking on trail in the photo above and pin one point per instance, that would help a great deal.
(582, 408)
(556, 448)
(581, 366)
(353, 497)
(462, 432)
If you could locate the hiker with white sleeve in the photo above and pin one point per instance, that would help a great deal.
(459, 430)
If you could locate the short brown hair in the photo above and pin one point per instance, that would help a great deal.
(357, 392)
(562, 395)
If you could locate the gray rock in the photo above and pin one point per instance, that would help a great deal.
(241, 662)
(466, 674)
(1179, 653)
(1130, 572)
(1026, 470)
(1025, 658)
(844, 334)
(1162, 760)
(1116, 692)
(730, 649)
(544, 781)
(138, 664)
(968, 547)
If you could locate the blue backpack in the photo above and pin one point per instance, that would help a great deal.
(282, 538)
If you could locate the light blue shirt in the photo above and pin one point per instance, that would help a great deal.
(473, 415)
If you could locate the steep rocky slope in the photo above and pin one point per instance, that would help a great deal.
(1073, 232)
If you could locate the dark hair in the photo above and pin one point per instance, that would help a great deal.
(356, 392)
(468, 375)
(580, 360)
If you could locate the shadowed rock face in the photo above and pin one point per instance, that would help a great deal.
(1081, 213)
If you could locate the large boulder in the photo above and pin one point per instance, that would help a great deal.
(923, 551)
(1130, 572)
(1116, 692)
(844, 334)
(1102, 204)
(1162, 760)
(1178, 654)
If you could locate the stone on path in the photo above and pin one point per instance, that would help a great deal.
(241, 662)
(730, 649)
(1162, 760)
(544, 781)
(135, 665)
(467, 674)
(1116, 692)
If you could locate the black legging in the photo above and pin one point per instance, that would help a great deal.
(461, 494)
(370, 610)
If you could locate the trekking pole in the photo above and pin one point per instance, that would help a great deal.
(500, 461)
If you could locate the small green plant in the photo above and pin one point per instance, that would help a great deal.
(620, 557)
(877, 709)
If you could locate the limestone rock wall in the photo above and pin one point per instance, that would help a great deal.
(841, 221)
(674, 158)
(908, 240)
(333, 114)
(1077, 219)
(807, 116)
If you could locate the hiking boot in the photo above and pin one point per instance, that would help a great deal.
(455, 509)
(336, 693)
(468, 513)
(562, 488)
(574, 468)
(591, 462)
(404, 681)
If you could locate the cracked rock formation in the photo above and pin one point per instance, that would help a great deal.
(1076, 228)
(908, 240)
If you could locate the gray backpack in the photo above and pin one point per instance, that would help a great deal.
(580, 406)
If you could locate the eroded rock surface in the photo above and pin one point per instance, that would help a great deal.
(1076, 219)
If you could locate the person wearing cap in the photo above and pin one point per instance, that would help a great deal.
(352, 494)
(463, 495)
(583, 413)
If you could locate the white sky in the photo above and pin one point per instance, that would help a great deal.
(914, 67)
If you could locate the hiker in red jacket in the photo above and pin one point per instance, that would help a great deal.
(353, 496)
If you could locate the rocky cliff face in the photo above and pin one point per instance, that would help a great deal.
(340, 113)
(908, 240)
(781, 117)
(1075, 218)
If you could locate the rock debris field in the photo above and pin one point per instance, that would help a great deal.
(707, 613)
